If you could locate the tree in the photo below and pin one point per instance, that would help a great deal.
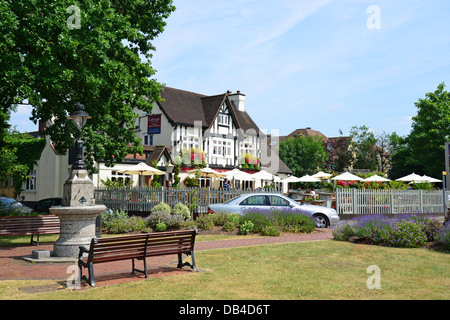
(303, 155)
(364, 145)
(340, 153)
(430, 131)
(55, 55)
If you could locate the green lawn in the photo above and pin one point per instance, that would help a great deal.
(305, 270)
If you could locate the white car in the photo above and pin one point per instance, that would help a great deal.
(324, 216)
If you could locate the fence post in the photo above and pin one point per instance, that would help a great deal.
(354, 207)
(420, 201)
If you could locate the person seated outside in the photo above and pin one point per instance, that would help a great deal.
(226, 185)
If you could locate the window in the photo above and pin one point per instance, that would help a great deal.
(122, 178)
(30, 182)
(191, 142)
(148, 139)
(223, 119)
(278, 201)
(254, 201)
(222, 147)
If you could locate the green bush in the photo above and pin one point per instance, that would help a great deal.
(113, 214)
(205, 221)
(161, 226)
(181, 210)
(233, 218)
(220, 218)
(246, 227)
(125, 225)
(343, 231)
(271, 231)
(229, 226)
(173, 222)
(407, 234)
(442, 236)
(162, 207)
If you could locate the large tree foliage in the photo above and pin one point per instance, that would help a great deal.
(364, 144)
(422, 151)
(52, 58)
(303, 155)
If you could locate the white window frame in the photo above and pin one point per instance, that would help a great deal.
(30, 181)
(147, 139)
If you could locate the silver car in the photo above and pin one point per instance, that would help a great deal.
(324, 217)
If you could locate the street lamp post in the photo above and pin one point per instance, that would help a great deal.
(169, 169)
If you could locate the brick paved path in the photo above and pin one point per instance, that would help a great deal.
(13, 267)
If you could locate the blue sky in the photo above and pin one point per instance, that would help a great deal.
(308, 63)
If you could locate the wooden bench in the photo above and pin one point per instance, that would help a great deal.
(29, 225)
(138, 247)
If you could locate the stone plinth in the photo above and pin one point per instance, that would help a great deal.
(77, 228)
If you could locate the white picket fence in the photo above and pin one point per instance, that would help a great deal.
(389, 201)
(144, 199)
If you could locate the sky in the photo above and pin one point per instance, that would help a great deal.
(324, 64)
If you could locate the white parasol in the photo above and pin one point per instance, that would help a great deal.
(376, 178)
(347, 176)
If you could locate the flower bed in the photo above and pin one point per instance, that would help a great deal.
(407, 231)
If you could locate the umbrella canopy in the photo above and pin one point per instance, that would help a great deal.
(207, 173)
(412, 178)
(322, 175)
(431, 179)
(347, 176)
(239, 175)
(376, 178)
(263, 175)
(308, 178)
(292, 179)
(142, 169)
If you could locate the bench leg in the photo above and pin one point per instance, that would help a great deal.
(181, 264)
(37, 241)
(90, 279)
(145, 271)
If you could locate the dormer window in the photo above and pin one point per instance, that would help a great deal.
(223, 119)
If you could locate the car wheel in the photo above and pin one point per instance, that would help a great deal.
(321, 220)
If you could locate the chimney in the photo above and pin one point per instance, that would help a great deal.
(238, 99)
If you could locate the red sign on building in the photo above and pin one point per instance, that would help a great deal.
(154, 124)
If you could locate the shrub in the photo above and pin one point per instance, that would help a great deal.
(343, 231)
(108, 215)
(404, 230)
(162, 207)
(271, 231)
(181, 210)
(205, 221)
(125, 225)
(229, 226)
(292, 220)
(442, 236)
(161, 226)
(171, 221)
(220, 218)
(233, 218)
(246, 227)
(407, 234)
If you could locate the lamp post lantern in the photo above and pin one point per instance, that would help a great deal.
(79, 118)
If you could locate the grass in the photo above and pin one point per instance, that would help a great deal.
(305, 270)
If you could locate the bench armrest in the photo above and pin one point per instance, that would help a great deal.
(82, 251)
